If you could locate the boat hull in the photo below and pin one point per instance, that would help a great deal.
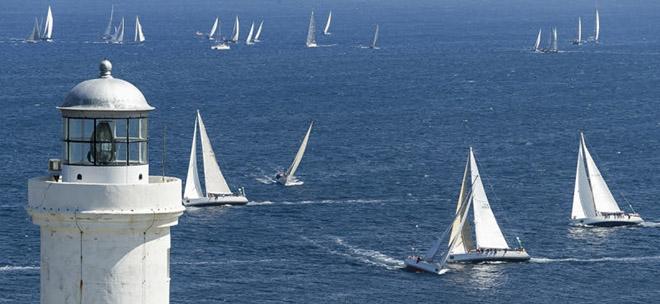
(413, 264)
(216, 201)
(220, 47)
(288, 182)
(312, 45)
(499, 255)
(610, 221)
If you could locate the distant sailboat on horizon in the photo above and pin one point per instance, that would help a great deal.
(373, 43)
(47, 33)
(139, 35)
(597, 29)
(593, 202)
(235, 34)
(326, 29)
(107, 34)
(214, 29)
(288, 178)
(118, 35)
(221, 44)
(537, 44)
(257, 36)
(35, 35)
(217, 189)
(311, 33)
(248, 40)
(578, 40)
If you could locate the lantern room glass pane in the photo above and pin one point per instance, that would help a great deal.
(137, 153)
(138, 129)
(80, 129)
(79, 154)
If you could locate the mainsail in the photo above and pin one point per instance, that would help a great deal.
(214, 181)
(583, 203)
(462, 234)
(579, 33)
(257, 36)
(214, 28)
(373, 44)
(236, 32)
(487, 231)
(537, 45)
(299, 155)
(119, 33)
(249, 41)
(602, 197)
(326, 30)
(108, 30)
(461, 219)
(193, 189)
(48, 26)
(139, 35)
(311, 32)
(36, 34)
(553, 40)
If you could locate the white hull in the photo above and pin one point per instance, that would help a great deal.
(235, 199)
(626, 219)
(221, 47)
(288, 182)
(491, 255)
(418, 265)
(312, 45)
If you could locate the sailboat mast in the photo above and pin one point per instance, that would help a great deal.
(373, 44)
(108, 29)
(597, 33)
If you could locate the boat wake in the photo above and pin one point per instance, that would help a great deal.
(366, 256)
(266, 180)
(597, 260)
(259, 203)
(11, 268)
(650, 224)
(322, 202)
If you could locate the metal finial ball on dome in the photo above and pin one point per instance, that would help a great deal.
(106, 68)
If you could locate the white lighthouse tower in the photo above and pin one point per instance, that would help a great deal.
(105, 223)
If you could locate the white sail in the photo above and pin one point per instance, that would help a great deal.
(487, 231)
(460, 218)
(119, 36)
(257, 36)
(464, 215)
(583, 203)
(461, 234)
(214, 28)
(299, 155)
(537, 45)
(139, 35)
(236, 32)
(48, 26)
(108, 30)
(36, 34)
(193, 189)
(579, 33)
(249, 41)
(373, 44)
(311, 32)
(326, 30)
(214, 181)
(597, 30)
(554, 40)
(603, 199)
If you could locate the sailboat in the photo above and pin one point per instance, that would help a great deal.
(236, 31)
(578, 40)
(593, 203)
(47, 34)
(596, 37)
(139, 35)
(288, 178)
(36, 34)
(257, 36)
(118, 36)
(488, 245)
(311, 33)
(373, 43)
(217, 190)
(212, 34)
(553, 42)
(107, 35)
(537, 44)
(326, 29)
(249, 41)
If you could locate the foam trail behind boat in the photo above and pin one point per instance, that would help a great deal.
(597, 260)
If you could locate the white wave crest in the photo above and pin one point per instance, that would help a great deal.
(651, 224)
(9, 268)
(597, 260)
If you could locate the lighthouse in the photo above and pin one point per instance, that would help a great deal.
(104, 222)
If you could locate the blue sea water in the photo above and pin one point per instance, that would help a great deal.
(384, 163)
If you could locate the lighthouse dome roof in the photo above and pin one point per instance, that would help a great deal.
(106, 94)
